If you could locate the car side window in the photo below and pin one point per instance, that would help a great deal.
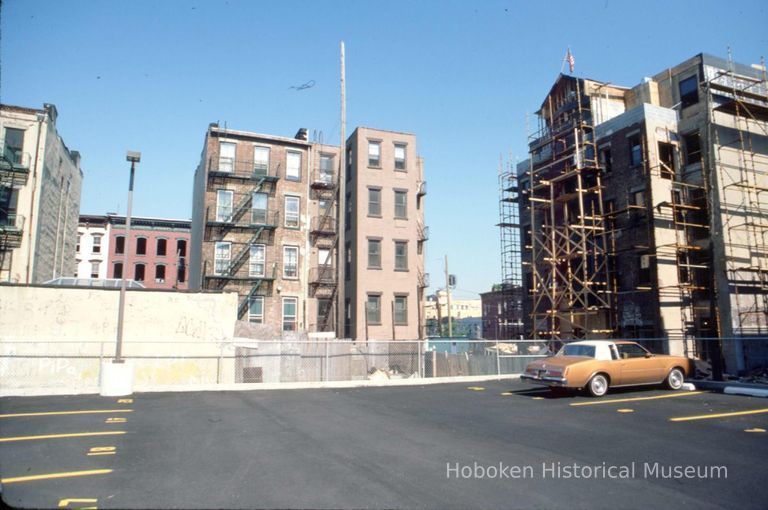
(614, 352)
(628, 351)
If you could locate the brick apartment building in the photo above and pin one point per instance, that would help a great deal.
(157, 250)
(40, 183)
(266, 223)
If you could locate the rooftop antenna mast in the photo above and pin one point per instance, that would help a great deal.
(341, 246)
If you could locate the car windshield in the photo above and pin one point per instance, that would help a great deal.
(577, 350)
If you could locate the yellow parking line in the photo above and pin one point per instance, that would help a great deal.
(49, 476)
(719, 415)
(475, 388)
(61, 413)
(636, 399)
(58, 436)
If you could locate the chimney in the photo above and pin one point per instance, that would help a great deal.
(301, 134)
(51, 110)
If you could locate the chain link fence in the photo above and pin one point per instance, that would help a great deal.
(77, 365)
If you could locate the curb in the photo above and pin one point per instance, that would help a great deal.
(364, 383)
(731, 388)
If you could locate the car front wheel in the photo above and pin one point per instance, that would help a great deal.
(675, 379)
(598, 385)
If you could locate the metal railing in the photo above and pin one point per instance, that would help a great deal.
(322, 275)
(245, 169)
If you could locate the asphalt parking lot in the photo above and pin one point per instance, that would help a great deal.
(397, 447)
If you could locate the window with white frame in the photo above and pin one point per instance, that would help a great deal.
(399, 156)
(257, 260)
(223, 253)
(95, 269)
(256, 309)
(290, 261)
(227, 156)
(290, 313)
(260, 160)
(293, 166)
(324, 257)
(292, 210)
(224, 199)
(374, 153)
(96, 248)
(259, 208)
(401, 309)
(374, 253)
(79, 238)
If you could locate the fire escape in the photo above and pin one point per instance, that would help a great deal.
(14, 174)
(323, 284)
(245, 225)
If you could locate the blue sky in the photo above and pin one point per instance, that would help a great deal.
(461, 75)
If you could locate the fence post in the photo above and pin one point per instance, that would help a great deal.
(498, 360)
(327, 365)
(421, 358)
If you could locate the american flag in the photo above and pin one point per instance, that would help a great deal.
(570, 59)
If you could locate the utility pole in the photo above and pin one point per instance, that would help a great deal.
(341, 246)
(448, 295)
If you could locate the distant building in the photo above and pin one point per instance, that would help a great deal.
(465, 315)
(502, 313)
(157, 250)
(40, 183)
(266, 226)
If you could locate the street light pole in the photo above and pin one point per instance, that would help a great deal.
(133, 157)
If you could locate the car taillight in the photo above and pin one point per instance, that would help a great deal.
(555, 373)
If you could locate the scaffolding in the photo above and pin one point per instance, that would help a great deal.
(511, 320)
(738, 126)
(572, 289)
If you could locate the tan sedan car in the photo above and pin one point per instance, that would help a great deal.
(599, 364)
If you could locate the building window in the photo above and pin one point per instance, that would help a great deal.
(374, 154)
(348, 262)
(14, 145)
(181, 247)
(606, 161)
(95, 269)
(260, 160)
(292, 209)
(257, 260)
(119, 245)
(689, 91)
(259, 208)
(96, 248)
(224, 199)
(162, 247)
(401, 256)
(79, 238)
(326, 169)
(293, 166)
(290, 261)
(324, 257)
(399, 156)
(141, 246)
(324, 317)
(181, 273)
(374, 253)
(692, 148)
(638, 198)
(256, 309)
(401, 204)
(290, 311)
(160, 273)
(635, 151)
(221, 258)
(401, 310)
(138, 272)
(227, 156)
(373, 308)
(374, 202)
(117, 270)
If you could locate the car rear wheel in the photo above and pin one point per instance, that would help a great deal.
(675, 379)
(598, 385)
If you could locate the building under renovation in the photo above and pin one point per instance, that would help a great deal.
(644, 211)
